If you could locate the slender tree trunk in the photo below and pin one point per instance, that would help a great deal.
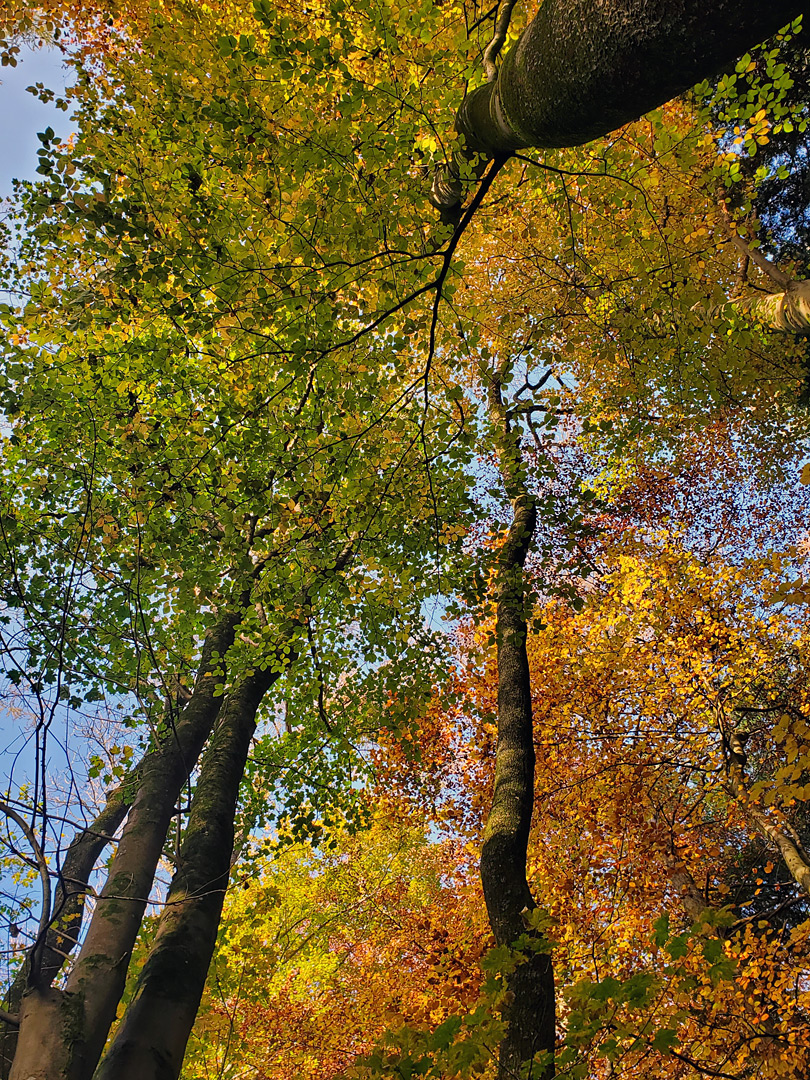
(531, 1014)
(774, 826)
(696, 908)
(787, 311)
(151, 1040)
(777, 833)
(70, 1043)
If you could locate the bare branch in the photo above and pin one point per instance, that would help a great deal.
(7, 1018)
(42, 866)
(755, 256)
(498, 39)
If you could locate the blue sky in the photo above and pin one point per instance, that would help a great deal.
(22, 115)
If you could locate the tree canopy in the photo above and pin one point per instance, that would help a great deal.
(403, 526)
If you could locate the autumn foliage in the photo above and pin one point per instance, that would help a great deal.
(324, 517)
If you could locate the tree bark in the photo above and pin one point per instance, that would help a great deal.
(794, 857)
(68, 909)
(788, 311)
(51, 1030)
(583, 68)
(97, 980)
(530, 1016)
(779, 833)
(692, 899)
(151, 1040)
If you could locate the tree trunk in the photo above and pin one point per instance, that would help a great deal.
(151, 1041)
(51, 1036)
(693, 901)
(97, 980)
(530, 1016)
(788, 311)
(778, 834)
(68, 909)
(583, 68)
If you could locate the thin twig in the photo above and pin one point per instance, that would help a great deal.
(704, 1068)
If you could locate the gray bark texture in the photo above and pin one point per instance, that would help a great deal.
(88, 1003)
(583, 68)
(68, 909)
(51, 1027)
(151, 1039)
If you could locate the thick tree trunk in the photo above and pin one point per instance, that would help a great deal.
(531, 1015)
(71, 892)
(693, 901)
(94, 987)
(51, 1030)
(151, 1041)
(583, 68)
(68, 909)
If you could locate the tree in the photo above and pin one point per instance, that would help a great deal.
(662, 962)
(667, 958)
(187, 527)
(229, 284)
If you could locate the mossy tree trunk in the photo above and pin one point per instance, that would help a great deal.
(88, 1003)
(530, 1016)
(151, 1040)
(68, 910)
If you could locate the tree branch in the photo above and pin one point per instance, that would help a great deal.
(755, 256)
(498, 39)
(44, 874)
